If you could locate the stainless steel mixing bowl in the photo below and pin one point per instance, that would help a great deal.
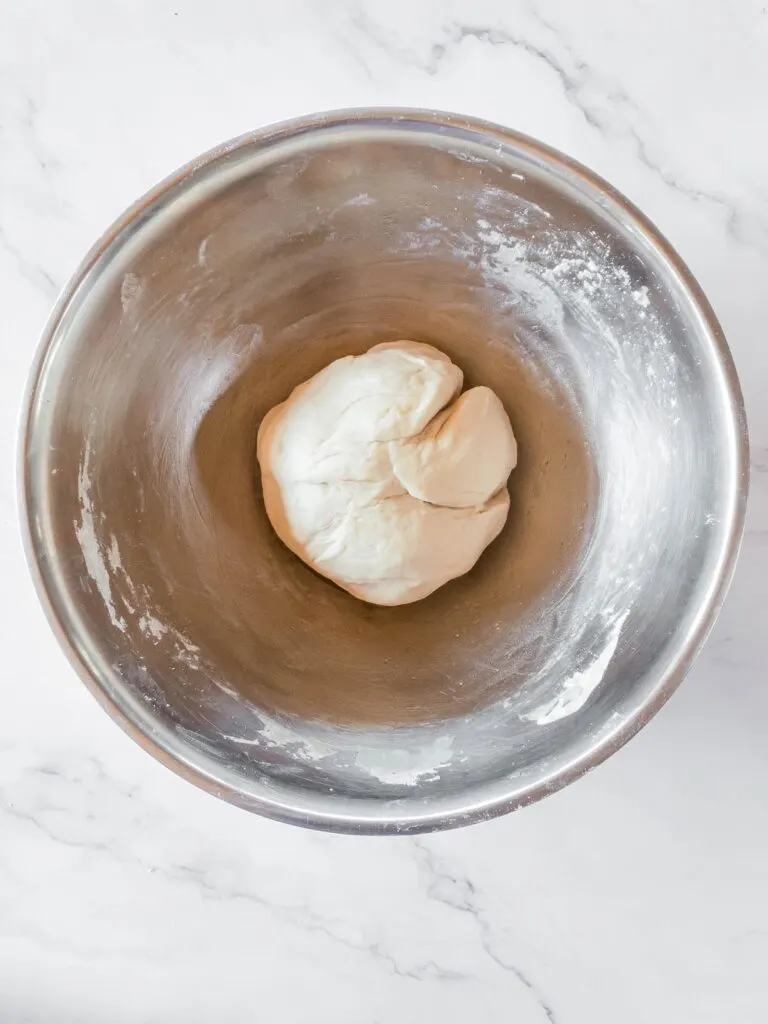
(246, 272)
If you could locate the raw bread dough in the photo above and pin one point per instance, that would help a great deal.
(378, 476)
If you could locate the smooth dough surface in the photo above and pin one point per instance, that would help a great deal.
(383, 477)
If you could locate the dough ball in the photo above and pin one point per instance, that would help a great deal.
(380, 475)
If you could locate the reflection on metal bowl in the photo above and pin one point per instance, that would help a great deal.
(244, 274)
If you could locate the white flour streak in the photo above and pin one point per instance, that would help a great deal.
(363, 199)
(88, 540)
(577, 690)
(130, 292)
(152, 627)
(276, 735)
(113, 554)
(400, 767)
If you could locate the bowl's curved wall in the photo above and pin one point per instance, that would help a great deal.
(241, 278)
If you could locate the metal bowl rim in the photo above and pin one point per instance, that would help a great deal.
(450, 812)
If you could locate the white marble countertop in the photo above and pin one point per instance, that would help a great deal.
(638, 895)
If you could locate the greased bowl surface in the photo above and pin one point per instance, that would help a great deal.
(241, 276)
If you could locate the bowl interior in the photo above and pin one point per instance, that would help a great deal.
(241, 278)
